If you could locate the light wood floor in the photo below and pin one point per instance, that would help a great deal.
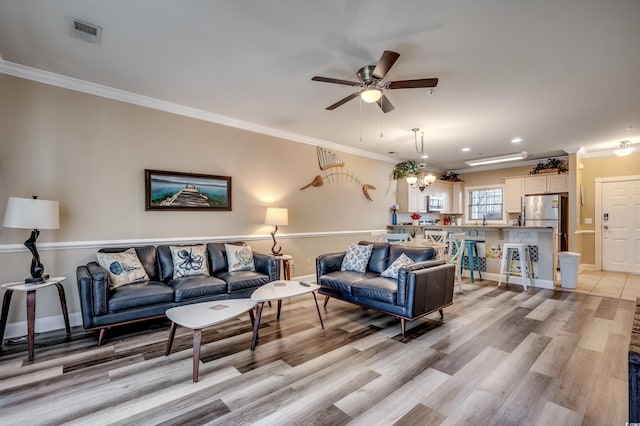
(502, 356)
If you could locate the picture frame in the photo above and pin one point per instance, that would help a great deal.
(166, 190)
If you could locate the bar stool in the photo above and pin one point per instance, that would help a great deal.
(474, 259)
(526, 266)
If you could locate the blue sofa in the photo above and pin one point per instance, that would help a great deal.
(104, 307)
(421, 288)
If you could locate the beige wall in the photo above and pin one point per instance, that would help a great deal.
(600, 167)
(89, 153)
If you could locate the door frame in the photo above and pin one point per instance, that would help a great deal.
(598, 212)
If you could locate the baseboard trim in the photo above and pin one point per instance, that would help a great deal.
(512, 280)
(56, 322)
(587, 267)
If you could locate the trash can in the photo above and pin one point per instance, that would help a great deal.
(569, 268)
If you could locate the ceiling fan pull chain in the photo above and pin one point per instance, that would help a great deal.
(381, 117)
(360, 103)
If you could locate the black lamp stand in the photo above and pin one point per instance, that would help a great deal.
(37, 268)
(275, 250)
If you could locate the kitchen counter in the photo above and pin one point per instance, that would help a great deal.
(470, 226)
(490, 241)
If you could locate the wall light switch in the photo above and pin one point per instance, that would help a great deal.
(587, 221)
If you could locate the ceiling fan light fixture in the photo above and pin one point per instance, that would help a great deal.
(371, 95)
(624, 149)
(497, 159)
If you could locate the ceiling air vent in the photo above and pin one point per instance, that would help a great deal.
(86, 31)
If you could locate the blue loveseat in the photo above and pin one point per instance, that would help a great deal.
(421, 288)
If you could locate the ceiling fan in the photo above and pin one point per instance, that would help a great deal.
(371, 84)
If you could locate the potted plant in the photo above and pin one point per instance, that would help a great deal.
(404, 169)
(450, 177)
(415, 217)
(552, 165)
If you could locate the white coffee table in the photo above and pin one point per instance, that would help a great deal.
(278, 290)
(202, 315)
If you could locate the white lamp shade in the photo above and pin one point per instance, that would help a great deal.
(30, 213)
(276, 216)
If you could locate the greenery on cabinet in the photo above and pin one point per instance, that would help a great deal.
(552, 165)
(404, 169)
(450, 177)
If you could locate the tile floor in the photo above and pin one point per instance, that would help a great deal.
(618, 285)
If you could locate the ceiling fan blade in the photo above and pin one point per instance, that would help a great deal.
(343, 101)
(335, 80)
(412, 84)
(385, 63)
(385, 104)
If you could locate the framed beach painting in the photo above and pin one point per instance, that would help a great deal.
(186, 191)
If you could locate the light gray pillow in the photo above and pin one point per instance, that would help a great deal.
(239, 258)
(392, 270)
(124, 267)
(357, 258)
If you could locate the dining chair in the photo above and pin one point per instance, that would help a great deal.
(454, 254)
(436, 236)
(393, 238)
(378, 236)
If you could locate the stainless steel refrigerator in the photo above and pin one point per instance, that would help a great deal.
(547, 210)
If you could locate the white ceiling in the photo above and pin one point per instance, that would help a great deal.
(561, 74)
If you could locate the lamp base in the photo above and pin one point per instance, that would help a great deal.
(276, 254)
(32, 280)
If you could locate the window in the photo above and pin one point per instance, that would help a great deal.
(485, 203)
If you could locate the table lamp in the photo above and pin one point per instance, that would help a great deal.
(276, 216)
(34, 214)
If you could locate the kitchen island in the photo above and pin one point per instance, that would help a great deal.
(491, 238)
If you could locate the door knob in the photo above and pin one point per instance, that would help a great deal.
(606, 226)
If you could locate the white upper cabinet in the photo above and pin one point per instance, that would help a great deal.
(513, 192)
(546, 184)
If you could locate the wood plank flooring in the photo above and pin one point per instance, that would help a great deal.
(501, 356)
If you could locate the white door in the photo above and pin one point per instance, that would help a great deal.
(621, 226)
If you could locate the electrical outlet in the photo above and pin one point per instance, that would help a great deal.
(292, 263)
(587, 221)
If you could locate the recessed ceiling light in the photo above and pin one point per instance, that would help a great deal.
(465, 149)
(516, 140)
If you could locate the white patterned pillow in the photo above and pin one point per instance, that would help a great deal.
(189, 260)
(239, 258)
(392, 270)
(124, 267)
(357, 258)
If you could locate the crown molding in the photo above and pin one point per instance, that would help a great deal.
(102, 91)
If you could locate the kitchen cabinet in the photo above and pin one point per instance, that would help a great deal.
(513, 192)
(441, 189)
(457, 198)
(417, 201)
(546, 184)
